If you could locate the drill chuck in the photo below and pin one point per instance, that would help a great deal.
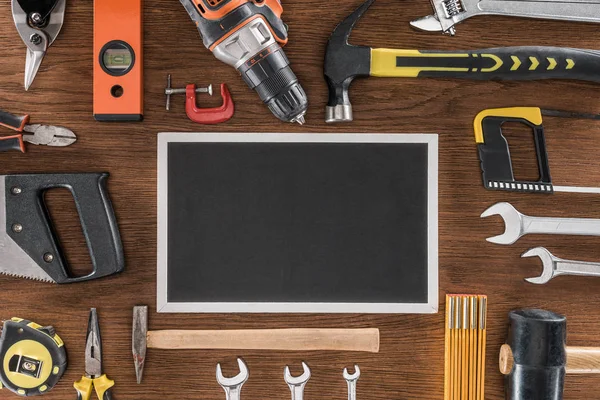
(276, 84)
(249, 37)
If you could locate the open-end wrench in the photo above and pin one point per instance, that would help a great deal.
(297, 383)
(351, 381)
(233, 386)
(554, 266)
(517, 224)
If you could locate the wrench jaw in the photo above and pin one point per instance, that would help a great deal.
(354, 376)
(296, 380)
(513, 223)
(297, 384)
(548, 265)
(235, 382)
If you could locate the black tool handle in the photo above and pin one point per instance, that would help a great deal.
(503, 63)
(8, 143)
(13, 121)
(38, 239)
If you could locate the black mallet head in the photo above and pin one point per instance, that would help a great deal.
(534, 356)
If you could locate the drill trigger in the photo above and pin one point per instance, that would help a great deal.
(208, 116)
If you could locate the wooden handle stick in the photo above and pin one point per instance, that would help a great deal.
(299, 339)
(583, 360)
(580, 360)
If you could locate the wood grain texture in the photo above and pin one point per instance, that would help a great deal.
(296, 339)
(410, 363)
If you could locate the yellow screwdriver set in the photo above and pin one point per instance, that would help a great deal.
(464, 370)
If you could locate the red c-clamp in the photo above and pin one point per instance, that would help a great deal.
(214, 115)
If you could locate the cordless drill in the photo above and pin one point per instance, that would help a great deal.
(248, 35)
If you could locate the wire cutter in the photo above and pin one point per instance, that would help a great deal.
(38, 23)
(46, 135)
(93, 365)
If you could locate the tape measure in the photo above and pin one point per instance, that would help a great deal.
(33, 357)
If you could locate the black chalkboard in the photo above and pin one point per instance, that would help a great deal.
(299, 222)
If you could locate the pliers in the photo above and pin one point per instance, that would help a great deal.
(46, 135)
(93, 365)
(38, 23)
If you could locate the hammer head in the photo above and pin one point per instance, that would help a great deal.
(139, 339)
(343, 63)
(537, 339)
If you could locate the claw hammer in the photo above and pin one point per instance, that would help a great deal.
(295, 339)
(345, 62)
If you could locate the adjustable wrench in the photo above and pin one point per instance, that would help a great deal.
(351, 380)
(233, 386)
(297, 383)
(517, 224)
(554, 266)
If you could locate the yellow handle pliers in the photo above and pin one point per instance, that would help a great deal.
(93, 378)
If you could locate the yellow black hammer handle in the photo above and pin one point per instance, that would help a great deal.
(503, 63)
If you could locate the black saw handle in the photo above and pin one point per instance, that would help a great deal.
(25, 206)
(502, 63)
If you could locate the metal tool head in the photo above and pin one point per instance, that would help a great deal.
(352, 377)
(537, 340)
(343, 63)
(236, 381)
(93, 347)
(447, 14)
(296, 380)
(48, 135)
(38, 29)
(548, 264)
(139, 337)
(15, 261)
(512, 222)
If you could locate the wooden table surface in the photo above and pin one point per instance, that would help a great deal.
(410, 364)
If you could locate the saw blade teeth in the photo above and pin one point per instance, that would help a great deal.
(34, 278)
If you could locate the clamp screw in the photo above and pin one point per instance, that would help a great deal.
(17, 228)
(35, 39)
(170, 91)
(36, 18)
(16, 190)
(48, 257)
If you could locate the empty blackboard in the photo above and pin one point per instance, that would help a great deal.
(297, 223)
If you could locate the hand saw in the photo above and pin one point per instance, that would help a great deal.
(29, 246)
(494, 152)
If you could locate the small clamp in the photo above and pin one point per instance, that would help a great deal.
(207, 116)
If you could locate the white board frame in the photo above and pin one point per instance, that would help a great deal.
(163, 306)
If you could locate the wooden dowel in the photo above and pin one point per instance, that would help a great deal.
(299, 339)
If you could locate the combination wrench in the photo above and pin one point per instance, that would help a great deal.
(233, 386)
(351, 381)
(554, 266)
(297, 383)
(517, 224)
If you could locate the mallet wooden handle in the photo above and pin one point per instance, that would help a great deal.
(366, 339)
(580, 360)
(583, 360)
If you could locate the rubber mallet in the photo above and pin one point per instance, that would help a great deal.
(535, 357)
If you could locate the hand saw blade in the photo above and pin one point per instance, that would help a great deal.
(13, 260)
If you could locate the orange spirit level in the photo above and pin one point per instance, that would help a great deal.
(118, 91)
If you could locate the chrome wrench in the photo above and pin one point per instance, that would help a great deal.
(233, 386)
(448, 13)
(554, 266)
(517, 224)
(297, 383)
(351, 381)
